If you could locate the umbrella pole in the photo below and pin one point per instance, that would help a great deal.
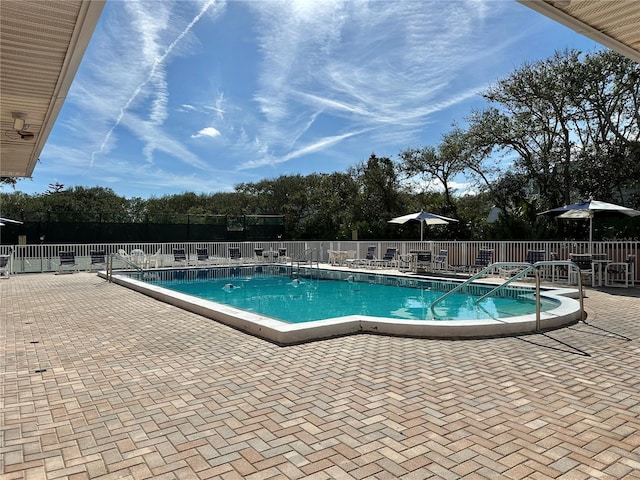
(421, 230)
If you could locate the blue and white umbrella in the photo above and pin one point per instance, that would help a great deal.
(424, 218)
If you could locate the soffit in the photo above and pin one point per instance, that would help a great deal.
(41, 45)
(613, 23)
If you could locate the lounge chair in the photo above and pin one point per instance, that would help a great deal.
(388, 260)
(369, 258)
(98, 258)
(180, 257)
(202, 256)
(617, 272)
(67, 261)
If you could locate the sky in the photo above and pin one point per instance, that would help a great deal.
(199, 96)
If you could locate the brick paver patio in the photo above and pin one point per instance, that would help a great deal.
(102, 382)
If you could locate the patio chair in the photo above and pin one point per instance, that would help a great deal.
(558, 272)
(441, 261)
(258, 254)
(154, 260)
(67, 261)
(282, 255)
(202, 256)
(180, 257)
(333, 256)
(368, 259)
(616, 272)
(234, 254)
(483, 259)
(533, 256)
(4, 266)
(423, 261)
(98, 257)
(388, 260)
(583, 261)
(406, 262)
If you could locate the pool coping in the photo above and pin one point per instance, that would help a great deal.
(283, 333)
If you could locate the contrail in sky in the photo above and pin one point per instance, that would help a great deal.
(157, 62)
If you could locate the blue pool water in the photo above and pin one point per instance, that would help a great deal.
(306, 300)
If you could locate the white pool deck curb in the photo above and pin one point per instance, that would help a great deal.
(567, 312)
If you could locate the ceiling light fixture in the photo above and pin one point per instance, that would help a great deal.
(18, 121)
(20, 126)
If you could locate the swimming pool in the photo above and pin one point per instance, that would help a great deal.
(408, 314)
(298, 300)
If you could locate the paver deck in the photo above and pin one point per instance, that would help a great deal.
(102, 382)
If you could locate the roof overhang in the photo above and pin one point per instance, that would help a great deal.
(41, 46)
(614, 24)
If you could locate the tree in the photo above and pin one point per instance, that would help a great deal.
(442, 163)
(55, 188)
(379, 196)
(8, 181)
(562, 117)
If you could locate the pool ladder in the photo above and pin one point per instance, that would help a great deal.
(527, 268)
(305, 257)
(125, 260)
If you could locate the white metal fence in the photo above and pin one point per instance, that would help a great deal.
(45, 258)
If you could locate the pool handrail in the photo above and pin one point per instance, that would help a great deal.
(124, 260)
(528, 269)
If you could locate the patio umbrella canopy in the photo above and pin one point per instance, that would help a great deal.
(588, 210)
(425, 218)
(4, 221)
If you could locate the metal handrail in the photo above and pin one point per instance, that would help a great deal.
(123, 259)
(466, 282)
(528, 268)
(307, 256)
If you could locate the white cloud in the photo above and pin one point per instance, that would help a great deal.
(363, 64)
(207, 132)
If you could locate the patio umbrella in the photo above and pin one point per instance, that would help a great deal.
(4, 221)
(424, 218)
(588, 210)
